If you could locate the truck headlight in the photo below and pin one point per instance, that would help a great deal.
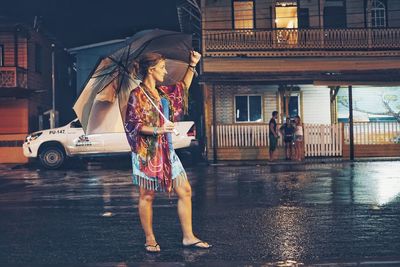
(33, 136)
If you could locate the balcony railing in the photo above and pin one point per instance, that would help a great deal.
(319, 139)
(13, 77)
(302, 39)
(374, 133)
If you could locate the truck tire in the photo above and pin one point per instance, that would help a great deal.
(52, 157)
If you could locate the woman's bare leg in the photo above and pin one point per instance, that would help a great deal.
(184, 193)
(297, 153)
(146, 218)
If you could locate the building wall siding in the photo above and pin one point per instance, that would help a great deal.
(316, 104)
(22, 52)
(393, 13)
(313, 98)
(263, 15)
(225, 100)
(355, 14)
(15, 114)
(313, 11)
(218, 14)
(7, 40)
(8, 43)
(20, 112)
(271, 103)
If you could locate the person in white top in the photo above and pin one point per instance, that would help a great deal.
(298, 139)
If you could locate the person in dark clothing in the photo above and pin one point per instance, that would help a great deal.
(287, 131)
(273, 135)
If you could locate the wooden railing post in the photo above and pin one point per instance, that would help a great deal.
(369, 38)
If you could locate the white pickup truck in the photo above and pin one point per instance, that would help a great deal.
(53, 146)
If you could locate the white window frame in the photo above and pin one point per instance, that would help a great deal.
(248, 108)
(378, 14)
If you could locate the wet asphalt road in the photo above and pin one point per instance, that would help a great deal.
(310, 213)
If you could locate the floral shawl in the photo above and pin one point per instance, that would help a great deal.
(153, 151)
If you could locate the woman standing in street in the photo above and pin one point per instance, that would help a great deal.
(156, 167)
(298, 138)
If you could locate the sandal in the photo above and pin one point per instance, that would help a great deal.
(196, 245)
(146, 247)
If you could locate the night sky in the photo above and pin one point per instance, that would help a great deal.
(80, 22)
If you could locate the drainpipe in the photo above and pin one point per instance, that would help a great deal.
(351, 122)
(215, 158)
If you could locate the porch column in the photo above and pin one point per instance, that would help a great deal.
(351, 122)
(214, 137)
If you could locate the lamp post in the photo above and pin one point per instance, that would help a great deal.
(351, 125)
(53, 88)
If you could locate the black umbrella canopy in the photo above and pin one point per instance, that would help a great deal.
(172, 45)
(102, 104)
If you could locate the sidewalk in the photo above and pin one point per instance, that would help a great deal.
(306, 161)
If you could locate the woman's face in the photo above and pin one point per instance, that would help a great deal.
(158, 71)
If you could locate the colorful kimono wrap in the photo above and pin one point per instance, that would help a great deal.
(154, 161)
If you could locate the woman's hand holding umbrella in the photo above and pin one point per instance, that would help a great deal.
(168, 127)
(194, 58)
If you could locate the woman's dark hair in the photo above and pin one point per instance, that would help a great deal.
(145, 62)
(274, 113)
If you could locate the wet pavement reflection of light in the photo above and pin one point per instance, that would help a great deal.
(293, 213)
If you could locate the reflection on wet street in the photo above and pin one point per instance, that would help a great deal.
(307, 213)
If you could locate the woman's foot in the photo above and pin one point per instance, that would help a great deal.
(152, 246)
(195, 243)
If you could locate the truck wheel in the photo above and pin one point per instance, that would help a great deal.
(52, 157)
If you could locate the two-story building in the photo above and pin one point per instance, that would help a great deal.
(300, 57)
(26, 85)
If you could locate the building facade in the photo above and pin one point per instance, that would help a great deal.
(87, 57)
(297, 57)
(26, 85)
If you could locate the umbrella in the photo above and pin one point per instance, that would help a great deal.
(101, 106)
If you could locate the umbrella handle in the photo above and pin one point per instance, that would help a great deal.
(176, 132)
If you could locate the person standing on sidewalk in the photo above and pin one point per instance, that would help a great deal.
(155, 165)
(287, 131)
(298, 139)
(273, 135)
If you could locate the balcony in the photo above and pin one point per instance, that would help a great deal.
(13, 77)
(302, 42)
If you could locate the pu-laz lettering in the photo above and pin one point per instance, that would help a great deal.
(56, 131)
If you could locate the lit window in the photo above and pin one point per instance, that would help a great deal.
(243, 14)
(378, 14)
(248, 108)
